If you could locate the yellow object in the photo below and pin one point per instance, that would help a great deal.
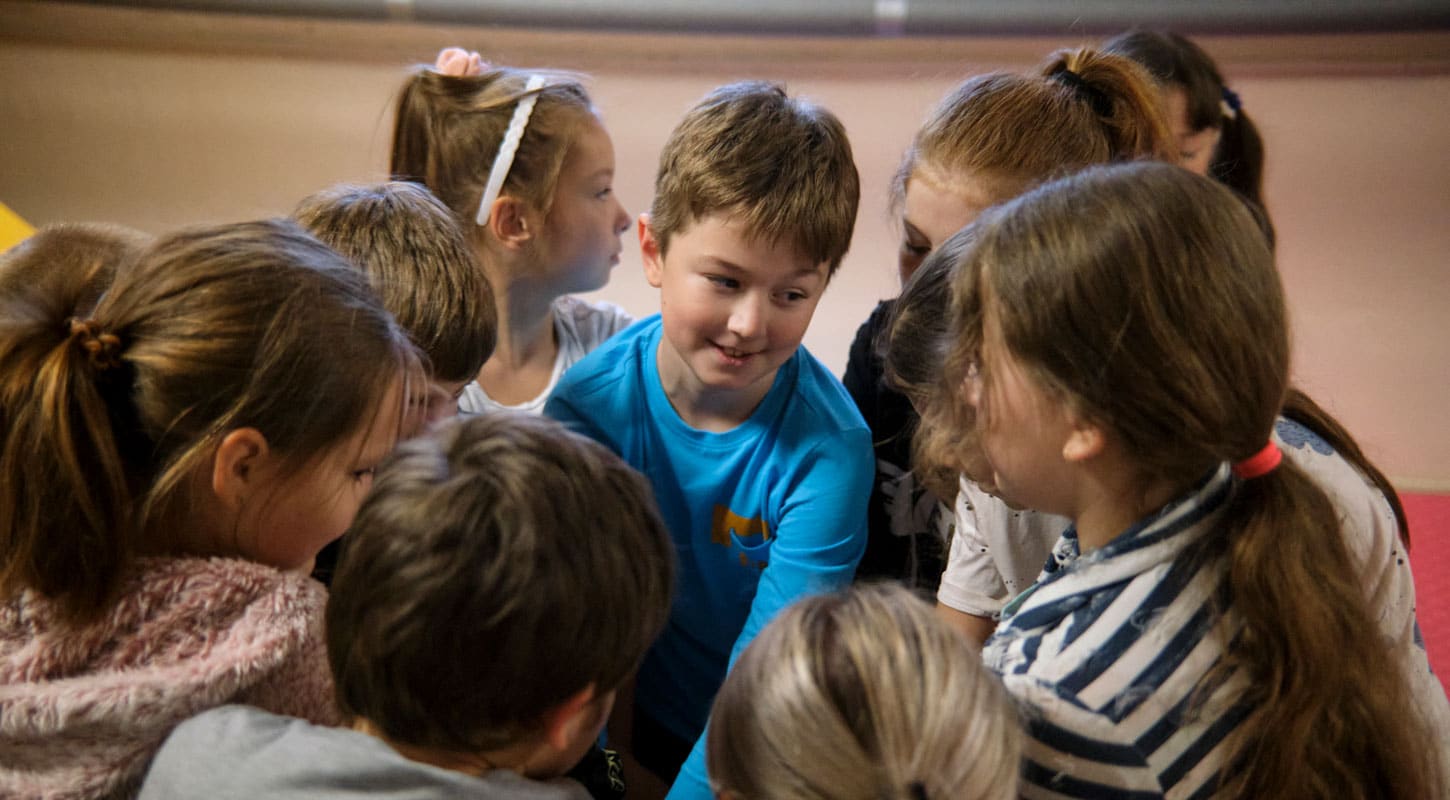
(13, 229)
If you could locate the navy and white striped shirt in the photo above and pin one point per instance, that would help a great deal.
(1107, 655)
(1105, 650)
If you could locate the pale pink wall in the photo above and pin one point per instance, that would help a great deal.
(1359, 184)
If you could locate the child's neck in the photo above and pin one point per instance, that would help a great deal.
(526, 347)
(475, 764)
(703, 407)
(1112, 498)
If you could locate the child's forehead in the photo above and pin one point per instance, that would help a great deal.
(732, 237)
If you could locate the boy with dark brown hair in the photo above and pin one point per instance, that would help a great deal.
(502, 580)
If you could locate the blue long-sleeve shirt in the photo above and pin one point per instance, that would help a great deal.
(761, 515)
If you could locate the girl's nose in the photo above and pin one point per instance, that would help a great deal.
(621, 218)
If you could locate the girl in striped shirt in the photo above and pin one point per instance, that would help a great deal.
(1120, 343)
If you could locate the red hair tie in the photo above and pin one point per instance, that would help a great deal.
(1259, 464)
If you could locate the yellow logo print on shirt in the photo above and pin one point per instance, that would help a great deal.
(725, 521)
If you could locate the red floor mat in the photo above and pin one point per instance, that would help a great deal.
(1429, 558)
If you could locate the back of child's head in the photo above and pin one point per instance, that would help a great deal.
(416, 257)
(1144, 298)
(449, 128)
(1176, 62)
(780, 165)
(862, 694)
(109, 415)
(70, 258)
(1005, 132)
(500, 565)
(913, 348)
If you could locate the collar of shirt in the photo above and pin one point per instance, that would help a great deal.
(1154, 540)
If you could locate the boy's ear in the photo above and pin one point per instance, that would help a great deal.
(649, 251)
(237, 465)
(1085, 441)
(565, 721)
(509, 222)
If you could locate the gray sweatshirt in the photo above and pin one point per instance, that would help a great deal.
(242, 752)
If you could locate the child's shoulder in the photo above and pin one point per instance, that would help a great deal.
(1336, 475)
(240, 751)
(609, 369)
(819, 399)
(590, 323)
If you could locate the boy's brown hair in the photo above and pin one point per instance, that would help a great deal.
(418, 260)
(499, 565)
(781, 165)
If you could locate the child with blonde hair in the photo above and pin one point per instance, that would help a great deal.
(171, 461)
(421, 265)
(1223, 618)
(862, 695)
(988, 140)
(523, 160)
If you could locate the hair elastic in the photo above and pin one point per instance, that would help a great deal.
(1259, 464)
(1231, 99)
(1093, 95)
(504, 161)
(102, 348)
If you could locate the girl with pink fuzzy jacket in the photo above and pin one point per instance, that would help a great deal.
(170, 463)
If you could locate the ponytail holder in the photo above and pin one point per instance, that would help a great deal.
(1259, 464)
(1093, 96)
(918, 790)
(102, 349)
(504, 161)
(1231, 99)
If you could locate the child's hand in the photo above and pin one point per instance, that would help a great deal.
(459, 63)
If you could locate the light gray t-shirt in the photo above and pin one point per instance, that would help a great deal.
(579, 327)
(243, 752)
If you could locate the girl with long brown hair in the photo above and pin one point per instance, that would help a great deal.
(172, 458)
(1217, 622)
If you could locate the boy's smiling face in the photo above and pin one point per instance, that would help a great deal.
(734, 309)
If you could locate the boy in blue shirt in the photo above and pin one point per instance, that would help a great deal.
(759, 459)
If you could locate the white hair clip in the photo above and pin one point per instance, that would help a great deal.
(504, 161)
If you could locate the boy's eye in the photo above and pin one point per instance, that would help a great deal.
(723, 282)
(603, 193)
(363, 474)
(794, 296)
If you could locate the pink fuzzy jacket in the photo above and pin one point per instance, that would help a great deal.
(82, 711)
